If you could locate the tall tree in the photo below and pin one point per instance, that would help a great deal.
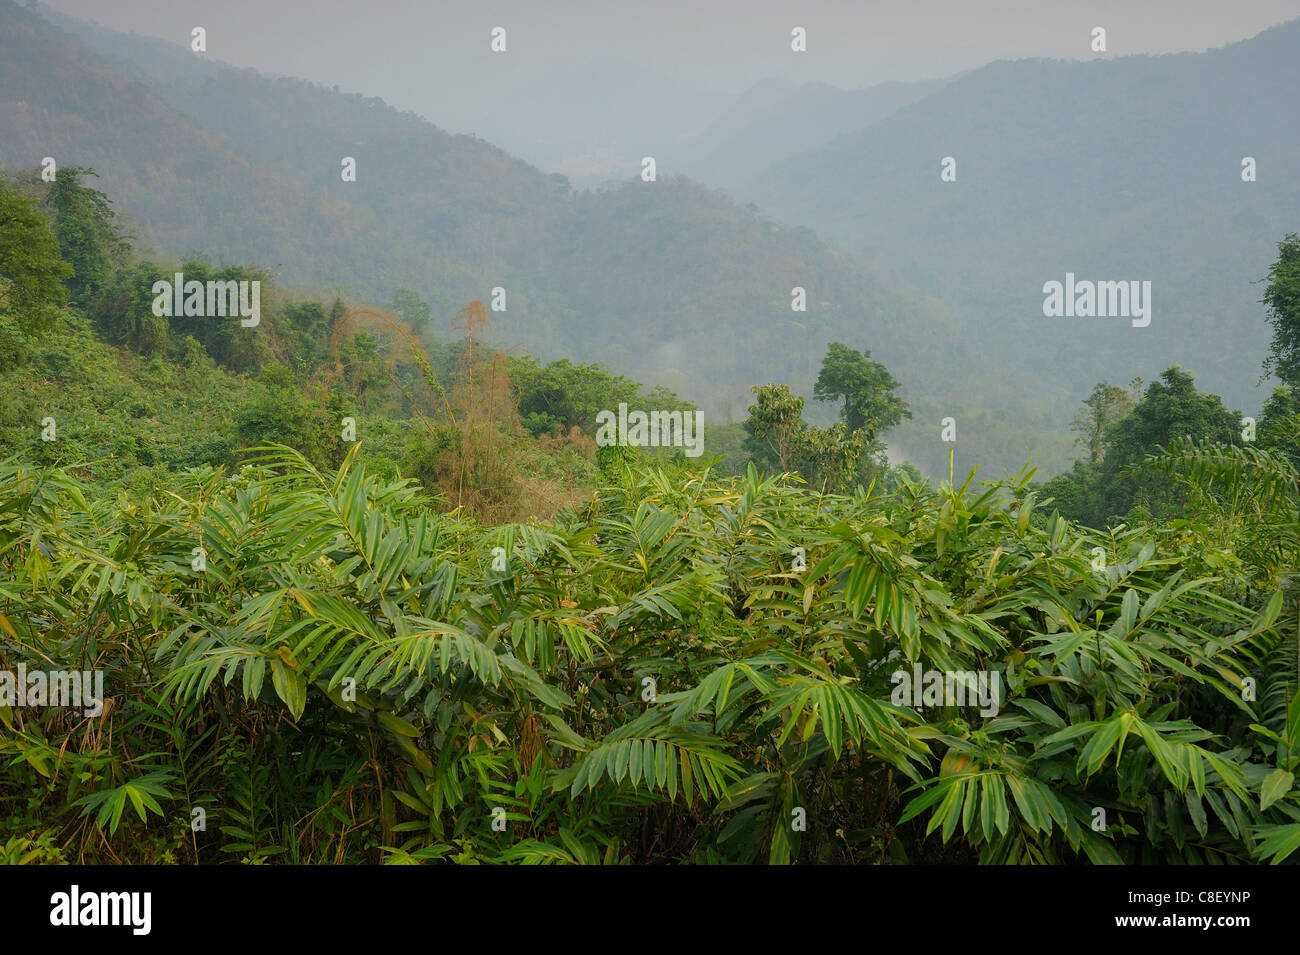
(1279, 424)
(774, 426)
(1283, 300)
(31, 272)
(778, 437)
(869, 391)
(90, 239)
(1106, 405)
(1107, 489)
(410, 308)
(1171, 409)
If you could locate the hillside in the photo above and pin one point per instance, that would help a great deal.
(1117, 169)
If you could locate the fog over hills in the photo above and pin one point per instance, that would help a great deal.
(1121, 169)
(668, 281)
(1061, 167)
(776, 119)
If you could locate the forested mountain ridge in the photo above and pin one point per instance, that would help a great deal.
(673, 283)
(164, 168)
(1117, 169)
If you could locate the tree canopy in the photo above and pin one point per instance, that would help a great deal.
(871, 402)
(31, 270)
(1282, 298)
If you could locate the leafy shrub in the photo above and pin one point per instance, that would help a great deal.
(650, 676)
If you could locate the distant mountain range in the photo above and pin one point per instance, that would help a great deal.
(1123, 169)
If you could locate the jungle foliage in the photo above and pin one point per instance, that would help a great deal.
(466, 636)
(680, 669)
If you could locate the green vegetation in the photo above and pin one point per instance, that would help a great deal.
(1282, 299)
(32, 268)
(134, 395)
(353, 677)
(469, 635)
(1104, 488)
(362, 587)
(1122, 430)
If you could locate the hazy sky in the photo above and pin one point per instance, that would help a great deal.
(385, 47)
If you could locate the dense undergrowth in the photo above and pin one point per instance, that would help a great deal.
(327, 667)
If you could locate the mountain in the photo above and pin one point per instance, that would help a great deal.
(591, 120)
(777, 118)
(1123, 169)
(188, 187)
(594, 121)
(668, 282)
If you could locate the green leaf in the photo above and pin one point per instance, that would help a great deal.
(1276, 785)
(1277, 842)
(396, 724)
(290, 686)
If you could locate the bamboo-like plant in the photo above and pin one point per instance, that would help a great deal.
(684, 668)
